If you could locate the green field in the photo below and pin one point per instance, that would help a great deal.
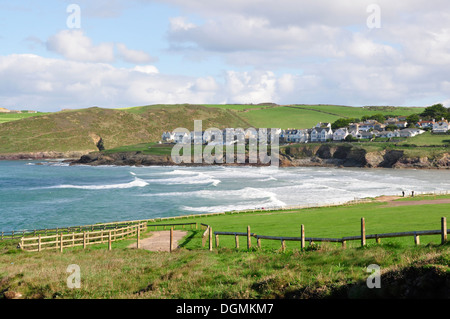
(8, 117)
(320, 271)
(330, 222)
(428, 139)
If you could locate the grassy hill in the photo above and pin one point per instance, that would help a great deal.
(79, 130)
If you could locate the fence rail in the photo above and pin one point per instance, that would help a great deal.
(363, 237)
(85, 238)
(70, 229)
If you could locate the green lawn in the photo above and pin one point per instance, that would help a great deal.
(428, 138)
(328, 222)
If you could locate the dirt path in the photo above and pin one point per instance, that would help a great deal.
(392, 203)
(160, 240)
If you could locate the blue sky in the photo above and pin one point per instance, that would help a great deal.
(140, 52)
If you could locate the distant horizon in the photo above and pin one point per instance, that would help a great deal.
(293, 104)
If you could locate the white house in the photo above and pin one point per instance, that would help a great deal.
(441, 126)
(321, 134)
(410, 132)
(425, 124)
(168, 137)
(388, 134)
(340, 134)
(364, 135)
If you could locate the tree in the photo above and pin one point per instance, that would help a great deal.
(391, 127)
(436, 111)
(342, 123)
(350, 138)
(412, 120)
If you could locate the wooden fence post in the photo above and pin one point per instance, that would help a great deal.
(171, 239)
(84, 240)
(249, 242)
(39, 243)
(138, 244)
(61, 242)
(363, 232)
(416, 239)
(217, 241)
(283, 245)
(258, 241)
(302, 237)
(236, 239)
(109, 240)
(210, 239)
(344, 244)
(443, 230)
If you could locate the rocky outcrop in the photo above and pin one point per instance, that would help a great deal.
(356, 156)
(326, 155)
(140, 159)
(42, 155)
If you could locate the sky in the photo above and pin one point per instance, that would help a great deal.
(58, 54)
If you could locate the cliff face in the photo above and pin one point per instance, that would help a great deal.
(307, 155)
(354, 156)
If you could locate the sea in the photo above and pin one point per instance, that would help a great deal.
(48, 194)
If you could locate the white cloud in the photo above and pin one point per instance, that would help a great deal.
(74, 45)
(133, 56)
(149, 69)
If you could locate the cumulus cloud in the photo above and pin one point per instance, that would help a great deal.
(75, 45)
(52, 84)
(133, 56)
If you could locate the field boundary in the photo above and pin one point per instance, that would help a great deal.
(61, 241)
(363, 237)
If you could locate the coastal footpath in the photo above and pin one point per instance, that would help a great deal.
(326, 155)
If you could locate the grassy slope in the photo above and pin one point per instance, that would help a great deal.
(225, 273)
(72, 130)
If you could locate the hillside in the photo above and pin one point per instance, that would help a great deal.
(80, 130)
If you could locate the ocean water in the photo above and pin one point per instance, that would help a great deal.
(36, 194)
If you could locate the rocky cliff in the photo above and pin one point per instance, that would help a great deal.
(307, 155)
(355, 156)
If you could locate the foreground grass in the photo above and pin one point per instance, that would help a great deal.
(319, 271)
(222, 274)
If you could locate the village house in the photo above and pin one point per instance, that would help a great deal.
(362, 135)
(321, 132)
(388, 134)
(410, 132)
(425, 124)
(340, 134)
(441, 126)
